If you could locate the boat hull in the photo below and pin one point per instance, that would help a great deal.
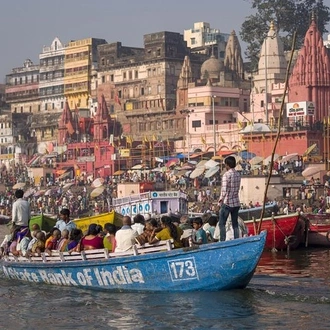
(281, 231)
(209, 267)
(318, 229)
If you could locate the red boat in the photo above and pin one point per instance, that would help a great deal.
(318, 229)
(283, 231)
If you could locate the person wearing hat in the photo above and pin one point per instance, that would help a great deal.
(65, 222)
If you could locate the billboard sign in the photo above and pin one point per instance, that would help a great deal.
(300, 109)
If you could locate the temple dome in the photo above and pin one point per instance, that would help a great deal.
(211, 68)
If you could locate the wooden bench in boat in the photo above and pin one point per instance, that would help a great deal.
(96, 254)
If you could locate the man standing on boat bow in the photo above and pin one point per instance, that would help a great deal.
(229, 199)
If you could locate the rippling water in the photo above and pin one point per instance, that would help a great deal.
(286, 292)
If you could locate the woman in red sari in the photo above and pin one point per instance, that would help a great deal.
(92, 240)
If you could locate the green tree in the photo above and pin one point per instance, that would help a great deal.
(288, 16)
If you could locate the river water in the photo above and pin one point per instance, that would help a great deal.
(287, 292)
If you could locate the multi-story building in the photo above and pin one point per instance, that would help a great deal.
(140, 85)
(213, 102)
(51, 83)
(2, 96)
(22, 88)
(80, 62)
(203, 39)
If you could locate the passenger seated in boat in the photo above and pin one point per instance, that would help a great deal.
(169, 231)
(125, 236)
(109, 240)
(39, 246)
(209, 228)
(188, 230)
(138, 225)
(74, 238)
(200, 234)
(151, 227)
(52, 243)
(92, 240)
(63, 242)
(23, 243)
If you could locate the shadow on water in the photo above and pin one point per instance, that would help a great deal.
(285, 293)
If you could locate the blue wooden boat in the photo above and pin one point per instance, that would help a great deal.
(210, 267)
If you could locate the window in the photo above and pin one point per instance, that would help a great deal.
(46, 106)
(124, 75)
(196, 123)
(53, 106)
(119, 94)
(136, 74)
(22, 109)
(130, 75)
(103, 79)
(159, 89)
(142, 90)
(193, 41)
(158, 52)
(262, 103)
(62, 105)
(149, 90)
(111, 77)
(30, 109)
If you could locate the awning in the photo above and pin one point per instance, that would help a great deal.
(225, 152)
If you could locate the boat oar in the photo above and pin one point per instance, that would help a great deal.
(278, 130)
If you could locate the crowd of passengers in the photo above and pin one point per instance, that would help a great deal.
(65, 237)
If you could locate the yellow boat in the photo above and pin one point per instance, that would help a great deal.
(100, 219)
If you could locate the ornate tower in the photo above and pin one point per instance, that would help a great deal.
(233, 58)
(102, 122)
(310, 79)
(65, 125)
(182, 86)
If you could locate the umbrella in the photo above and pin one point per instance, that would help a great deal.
(137, 167)
(310, 149)
(202, 163)
(19, 185)
(97, 192)
(29, 192)
(119, 172)
(268, 159)
(309, 171)
(172, 162)
(51, 191)
(289, 157)
(211, 171)
(197, 172)
(39, 193)
(97, 183)
(211, 163)
(256, 160)
(68, 185)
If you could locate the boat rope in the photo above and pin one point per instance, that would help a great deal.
(288, 240)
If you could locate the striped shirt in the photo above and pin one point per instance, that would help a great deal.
(231, 182)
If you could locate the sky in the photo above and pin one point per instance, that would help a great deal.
(28, 25)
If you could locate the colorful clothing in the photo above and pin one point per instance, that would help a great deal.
(109, 242)
(165, 234)
(201, 236)
(94, 243)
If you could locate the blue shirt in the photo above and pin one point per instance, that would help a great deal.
(61, 224)
(201, 236)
